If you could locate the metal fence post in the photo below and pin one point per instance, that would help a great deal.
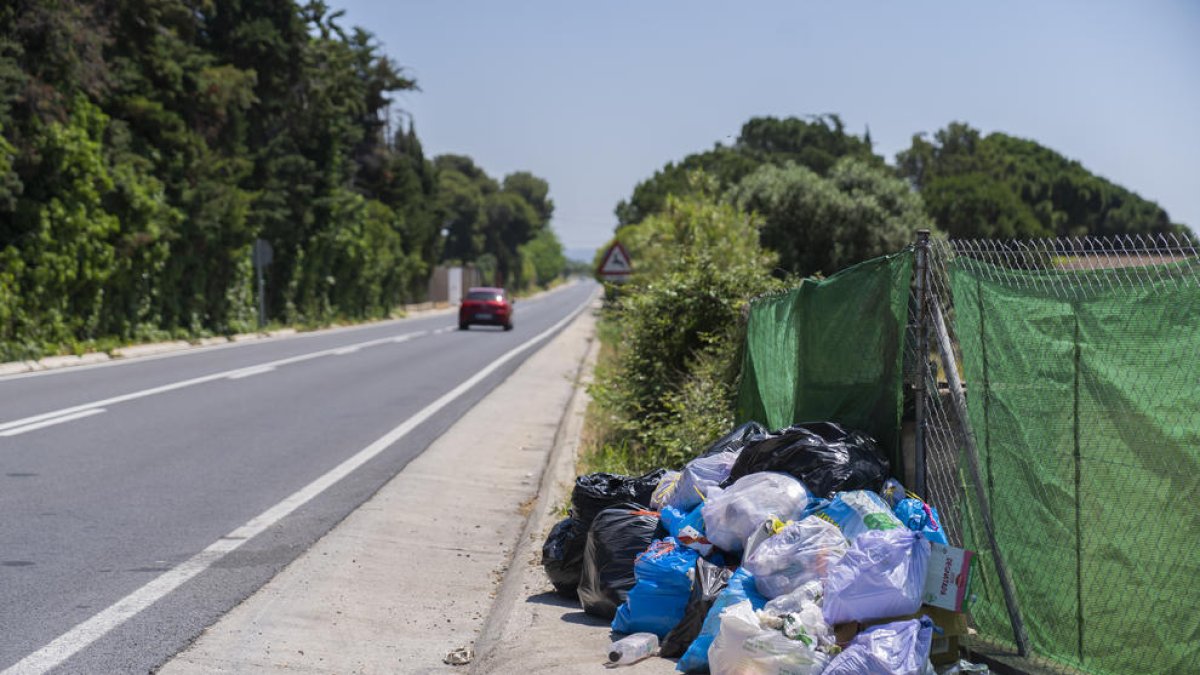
(922, 290)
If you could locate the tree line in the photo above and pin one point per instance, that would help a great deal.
(146, 144)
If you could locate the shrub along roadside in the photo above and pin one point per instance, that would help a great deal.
(665, 381)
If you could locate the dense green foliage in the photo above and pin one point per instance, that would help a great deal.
(815, 143)
(668, 386)
(826, 224)
(145, 145)
(1006, 187)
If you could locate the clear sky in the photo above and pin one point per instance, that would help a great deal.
(595, 96)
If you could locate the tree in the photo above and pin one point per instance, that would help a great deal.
(822, 225)
(1000, 186)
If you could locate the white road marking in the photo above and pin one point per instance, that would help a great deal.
(51, 422)
(201, 380)
(345, 350)
(78, 638)
(250, 372)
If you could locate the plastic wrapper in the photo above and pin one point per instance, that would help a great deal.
(688, 528)
(562, 555)
(803, 551)
(740, 588)
(825, 456)
(595, 492)
(666, 488)
(918, 516)
(899, 648)
(737, 439)
(881, 576)
(733, 514)
(857, 511)
(664, 583)
(699, 477)
(743, 645)
(708, 583)
(615, 540)
(892, 492)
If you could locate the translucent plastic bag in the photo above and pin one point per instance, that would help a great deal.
(882, 575)
(899, 648)
(744, 646)
(733, 514)
(857, 511)
(699, 477)
(802, 551)
(798, 615)
(664, 583)
(664, 490)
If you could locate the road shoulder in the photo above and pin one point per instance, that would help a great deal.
(412, 573)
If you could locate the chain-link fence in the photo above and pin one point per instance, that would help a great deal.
(1058, 407)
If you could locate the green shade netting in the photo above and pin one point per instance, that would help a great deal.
(831, 350)
(1084, 394)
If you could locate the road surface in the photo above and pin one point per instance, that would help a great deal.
(144, 499)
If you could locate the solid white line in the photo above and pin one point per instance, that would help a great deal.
(51, 422)
(78, 638)
(250, 372)
(201, 380)
(345, 350)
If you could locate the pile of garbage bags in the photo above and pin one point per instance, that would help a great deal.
(772, 552)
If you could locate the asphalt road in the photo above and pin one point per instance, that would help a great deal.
(140, 501)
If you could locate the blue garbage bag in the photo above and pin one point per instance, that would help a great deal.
(921, 517)
(882, 575)
(898, 648)
(657, 601)
(740, 588)
(687, 527)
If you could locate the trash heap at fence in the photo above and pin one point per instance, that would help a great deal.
(786, 552)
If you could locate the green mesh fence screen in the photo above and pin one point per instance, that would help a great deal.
(1082, 372)
(831, 350)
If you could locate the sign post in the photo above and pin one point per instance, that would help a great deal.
(616, 266)
(263, 254)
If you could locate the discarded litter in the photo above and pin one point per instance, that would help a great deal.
(632, 648)
(459, 657)
(785, 552)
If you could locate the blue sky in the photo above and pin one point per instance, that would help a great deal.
(596, 96)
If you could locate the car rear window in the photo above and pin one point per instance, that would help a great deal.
(484, 295)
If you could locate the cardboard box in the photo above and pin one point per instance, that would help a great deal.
(945, 645)
(947, 578)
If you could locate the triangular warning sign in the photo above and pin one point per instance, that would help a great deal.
(616, 265)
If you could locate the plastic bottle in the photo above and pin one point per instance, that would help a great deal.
(633, 648)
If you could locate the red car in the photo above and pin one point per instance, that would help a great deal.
(486, 305)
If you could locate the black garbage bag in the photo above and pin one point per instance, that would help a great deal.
(595, 492)
(709, 582)
(614, 541)
(562, 555)
(823, 455)
(737, 439)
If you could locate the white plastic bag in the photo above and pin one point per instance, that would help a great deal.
(798, 616)
(882, 575)
(743, 646)
(801, 552)
(699, 477)
(732, 515)
(807, 593)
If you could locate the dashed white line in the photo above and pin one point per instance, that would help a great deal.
(13, 431)
(78, 638)
(230, 374)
